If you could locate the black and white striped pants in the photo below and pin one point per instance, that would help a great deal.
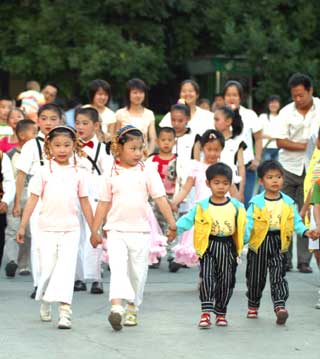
(269, 256)
(218, 274)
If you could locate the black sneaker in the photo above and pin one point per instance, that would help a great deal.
(33, 294)
(174, 266)
(156, 265)
(79, 286)
(11, 268)
(96, 288)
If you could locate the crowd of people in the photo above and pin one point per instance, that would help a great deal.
(89, 185)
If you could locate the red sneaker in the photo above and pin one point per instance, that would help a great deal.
(205, 321)
(282, 315)
(221, 321)
(252, 313)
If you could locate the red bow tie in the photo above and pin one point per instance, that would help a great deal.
(89, 144)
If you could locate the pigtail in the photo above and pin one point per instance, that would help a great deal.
(237, 124)
(46, 148)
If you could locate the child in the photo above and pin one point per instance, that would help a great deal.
(94, 163)
(9, 142)
(18, 256)
(30, 159)
(135, 113)
(315, 199)
(5, 108)
(229, 123)
(272, 217)
(180, 116)
(6, 196)
(61, 186)
(166, 165)
(212, 143)
(124, 202)
(219, 226)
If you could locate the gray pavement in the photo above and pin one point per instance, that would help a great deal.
(167, 323)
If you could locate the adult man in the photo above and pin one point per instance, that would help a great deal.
(50, 92)
(298, 121)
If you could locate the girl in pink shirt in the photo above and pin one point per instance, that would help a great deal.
(124, 203)
(9, 142)
(61, 186)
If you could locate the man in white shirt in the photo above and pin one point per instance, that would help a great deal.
(298, 121)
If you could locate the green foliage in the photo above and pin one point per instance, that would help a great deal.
(73, 42)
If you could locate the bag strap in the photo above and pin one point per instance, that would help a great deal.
(1, 176)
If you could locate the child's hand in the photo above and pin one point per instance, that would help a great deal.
(20, 235)
(16, 211)
(313, 234)
(174, 206)
(95, 240)
(171, 234)
(3, 207)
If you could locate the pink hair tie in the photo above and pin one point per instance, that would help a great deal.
(212, 136)
(182, 101)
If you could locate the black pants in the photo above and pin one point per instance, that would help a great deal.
(269, 257)
(218, 274)
(3, 224)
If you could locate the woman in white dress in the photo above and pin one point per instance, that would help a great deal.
(200, 120)
(270, 124)
(99, 94)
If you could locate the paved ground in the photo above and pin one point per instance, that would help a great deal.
(167, 324)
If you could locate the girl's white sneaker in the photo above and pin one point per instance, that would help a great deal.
(64, 316)
(45, 311)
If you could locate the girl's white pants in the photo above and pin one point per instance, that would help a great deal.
(128, 260)
(89, 258)
(35, 238)
(58, 258)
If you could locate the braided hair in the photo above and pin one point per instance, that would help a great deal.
(67, 131)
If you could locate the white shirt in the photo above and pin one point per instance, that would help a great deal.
(104, 164)
(270, 124)
(8, 183)
(183, 149)
(229, 153)
(251, 125)
(107, 117)
(29, 160)
(295, 127)
(201, 121)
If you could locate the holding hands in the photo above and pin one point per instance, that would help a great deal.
(313, 234)
(95, 240)
(171, 233)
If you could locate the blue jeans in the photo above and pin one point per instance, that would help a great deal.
(270, 154)
(251, 177)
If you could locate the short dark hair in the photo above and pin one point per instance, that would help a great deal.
(298, 79)
(219, 169)
(166, 130)
(90, 112)
(236, 84)
(97, 84)
(52, 84)
(136, 84)
(5, 98)
(182, 108)
(24, 125)
(52, 107)
(269, 165)
(203, 100)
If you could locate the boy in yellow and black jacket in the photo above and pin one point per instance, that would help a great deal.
(272, 218)
(219, 226)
